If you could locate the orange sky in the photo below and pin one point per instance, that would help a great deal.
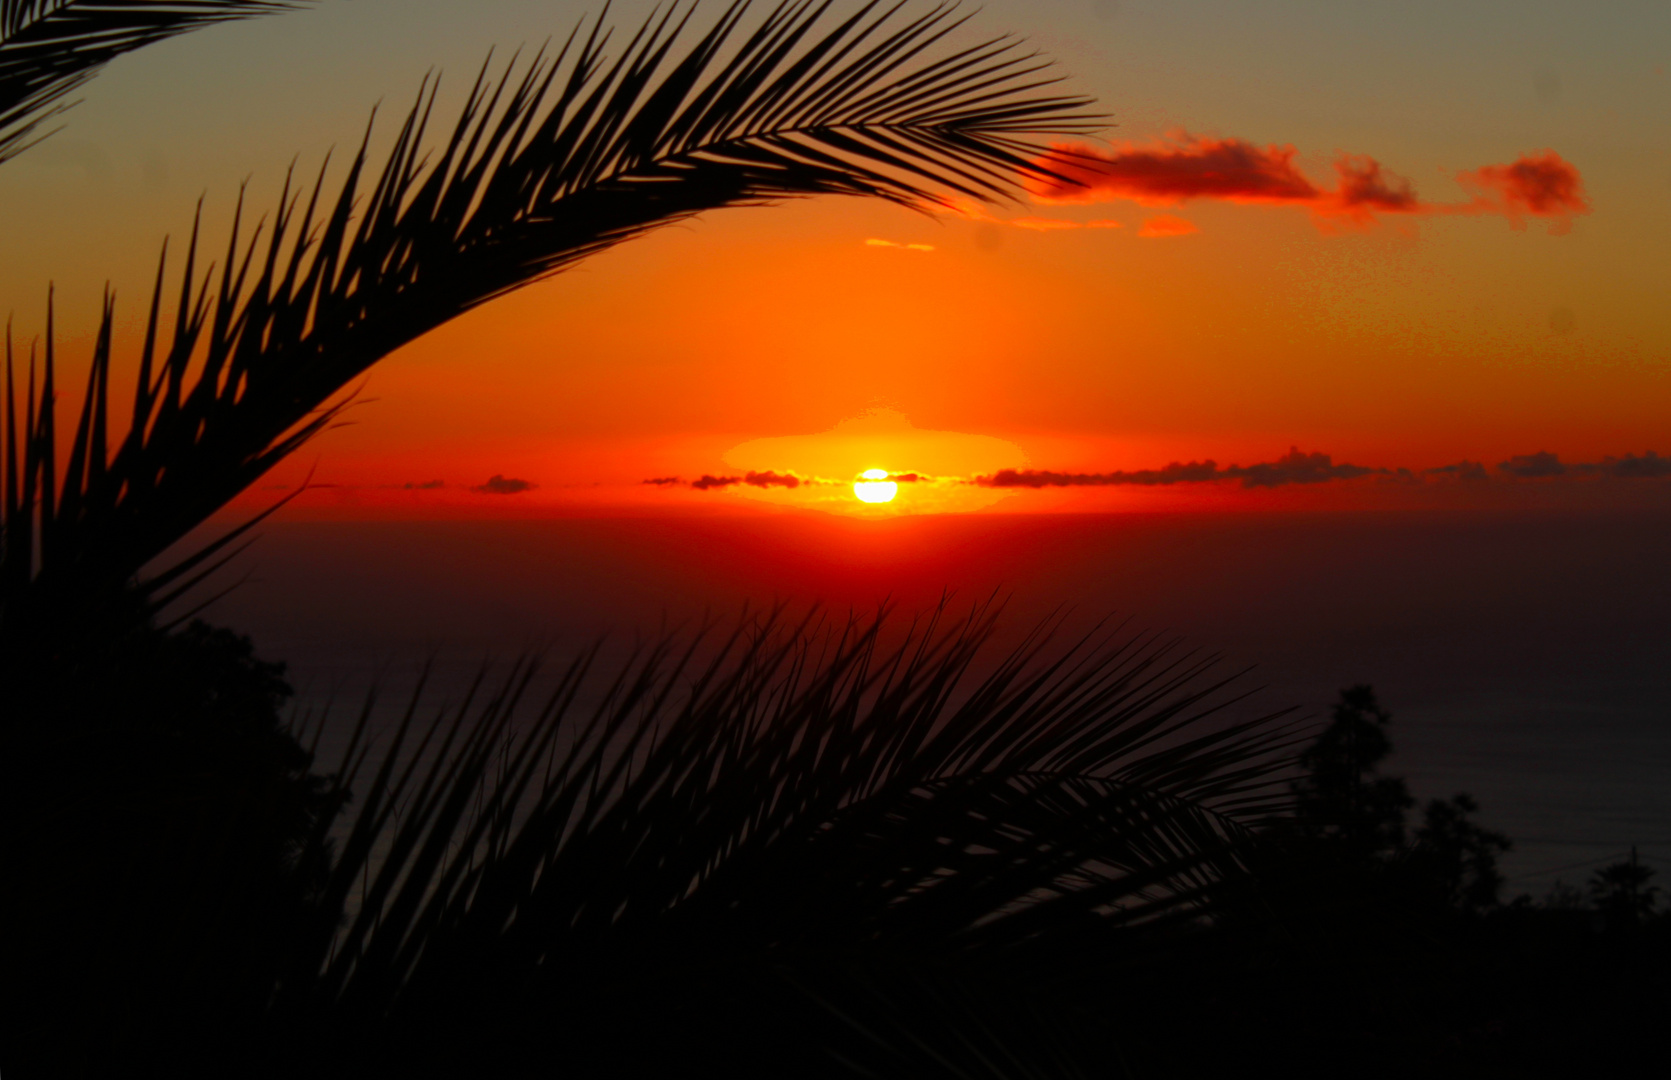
(1182, 327)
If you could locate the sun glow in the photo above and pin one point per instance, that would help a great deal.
(875, 487)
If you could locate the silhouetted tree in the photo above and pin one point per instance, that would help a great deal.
(1342, 798)
(1621, 890)
(1455, 858)
(1563, 897)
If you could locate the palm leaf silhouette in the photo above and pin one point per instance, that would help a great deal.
(548, 163)
(809, 802)
(49, 48)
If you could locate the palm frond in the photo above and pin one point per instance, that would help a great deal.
(548, 163)
(50, 48)
(810, 798)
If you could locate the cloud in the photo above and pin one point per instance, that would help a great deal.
(874, 242)
(1185, 167)
(1194, 472)
(1533, 466)
(1540, 183)
(1470, 471)
(1294, 467)
(764, 479)
(427, 485)
(1166, 225)
(1632, 467)
(772, 479)
(1650, 466)
(1367, 188)
(503, 485)
(1166, 174)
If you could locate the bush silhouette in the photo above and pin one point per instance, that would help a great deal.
(158, 814)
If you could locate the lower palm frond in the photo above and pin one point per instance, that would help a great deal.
(807, 804)
(554, 161)
(49, 48)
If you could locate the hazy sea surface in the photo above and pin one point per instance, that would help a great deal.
(1526, 658)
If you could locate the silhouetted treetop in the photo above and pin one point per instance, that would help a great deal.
(1621, 890)
(1456, 857)
(1342, 797)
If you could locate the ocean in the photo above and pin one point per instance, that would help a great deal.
(1525, 657)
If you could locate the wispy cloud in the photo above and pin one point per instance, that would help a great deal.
(1539, 184)
(767, 479)
(1533, 466)
(1298, 467)
(1168, 173)
(877, 243)
(503, 485)
(1470, 471)
(1187, 167)
(1295, 467)
(1650, 466)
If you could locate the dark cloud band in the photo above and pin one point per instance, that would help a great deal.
(1295, 467)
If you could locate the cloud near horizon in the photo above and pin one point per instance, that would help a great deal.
(1298, 467)
(1167, 173)
(503, 485)
(770, 479)
(765, 479)
(1650, 466)
(1294, 467)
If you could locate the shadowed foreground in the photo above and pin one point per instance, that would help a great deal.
(736, 852)
(811, 848)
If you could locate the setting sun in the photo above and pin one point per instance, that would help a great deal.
(875, 487)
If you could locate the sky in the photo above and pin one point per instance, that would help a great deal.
(1325, 255)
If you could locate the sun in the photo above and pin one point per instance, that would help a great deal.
(875, 487)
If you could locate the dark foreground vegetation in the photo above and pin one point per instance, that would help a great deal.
(810, 849)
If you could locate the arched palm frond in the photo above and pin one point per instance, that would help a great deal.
(49, 48)
(549, 163)
(812, 800)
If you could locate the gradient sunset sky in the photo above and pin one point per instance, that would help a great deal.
(1433, 236)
